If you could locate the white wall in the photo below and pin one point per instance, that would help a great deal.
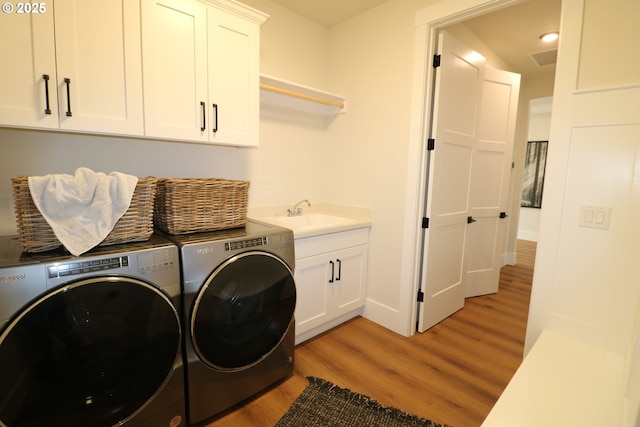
(364, 163)
(371, 57)
(586, 280)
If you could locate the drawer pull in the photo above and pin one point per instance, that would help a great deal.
(215, 114)
(68, 83)
(47, 109)
(204, 119)
(333, 266)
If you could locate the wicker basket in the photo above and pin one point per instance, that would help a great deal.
(190, 205)
(35, 234)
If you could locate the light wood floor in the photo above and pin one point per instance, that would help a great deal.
(453, 373)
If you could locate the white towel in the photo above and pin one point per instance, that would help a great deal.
(82, 209)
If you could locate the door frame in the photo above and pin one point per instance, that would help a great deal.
(428, 22)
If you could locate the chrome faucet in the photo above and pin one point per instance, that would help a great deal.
(295, 210)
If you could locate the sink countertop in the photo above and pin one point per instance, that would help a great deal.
(354, 217)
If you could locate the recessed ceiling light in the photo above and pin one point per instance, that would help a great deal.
(549, 37)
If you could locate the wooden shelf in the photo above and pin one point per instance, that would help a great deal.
(290, 95)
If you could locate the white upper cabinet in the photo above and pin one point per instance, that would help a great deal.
(99, 66)
(234, 78)
(92, 65)
(174, 43)
(201, 71)
(185, 70)
(28, 52)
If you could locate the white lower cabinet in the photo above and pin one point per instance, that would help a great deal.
(330, 274)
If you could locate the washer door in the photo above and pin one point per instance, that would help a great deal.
(243, 310)
(91, 353)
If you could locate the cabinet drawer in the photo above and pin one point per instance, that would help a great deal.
(310, 246)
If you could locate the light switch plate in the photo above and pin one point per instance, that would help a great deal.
(597, 217)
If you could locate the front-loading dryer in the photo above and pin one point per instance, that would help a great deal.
(239, 301)
(93, 340)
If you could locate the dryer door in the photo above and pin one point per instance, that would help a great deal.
(243, 310)
(91, 353)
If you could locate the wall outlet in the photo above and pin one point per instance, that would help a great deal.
(595, 217)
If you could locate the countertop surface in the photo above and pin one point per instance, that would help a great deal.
(317, 219)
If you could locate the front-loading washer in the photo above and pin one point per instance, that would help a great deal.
(239, 300)
(93, 340)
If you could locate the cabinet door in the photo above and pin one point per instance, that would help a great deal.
(98, 52)
(311, 276)
(347, 280)
(28, 52)
(174, 58)
(329, 286)
(234, 50)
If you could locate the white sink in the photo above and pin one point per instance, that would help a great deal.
(307, 220)
(324, 219)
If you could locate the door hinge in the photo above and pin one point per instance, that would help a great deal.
(431, 144)
(436, 61)
(425, 222)
(420, 296)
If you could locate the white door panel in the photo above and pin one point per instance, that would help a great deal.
(312, 304)
(469, 171)
(458, 89)
(490, 176)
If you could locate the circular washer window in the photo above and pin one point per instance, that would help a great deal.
(243, 310)
(91, 353)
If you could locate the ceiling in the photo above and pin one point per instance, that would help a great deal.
(511, 32)
(329, 12)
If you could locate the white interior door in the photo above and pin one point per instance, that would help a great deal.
(490, 176)
(457, 95)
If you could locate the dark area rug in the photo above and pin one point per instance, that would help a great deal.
(323, 404)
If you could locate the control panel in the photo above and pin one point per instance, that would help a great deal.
(244, 244)
(81, 267)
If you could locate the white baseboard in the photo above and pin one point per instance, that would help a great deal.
(509, 258)
(387, 317)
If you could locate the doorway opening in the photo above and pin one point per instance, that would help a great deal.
(482, 25)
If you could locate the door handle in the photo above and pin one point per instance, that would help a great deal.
(47, 109)
(470, 220)
(339, 269)
(215, 114)
(68, 83)
(332, 271)
(203, 108)
(503, 215)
